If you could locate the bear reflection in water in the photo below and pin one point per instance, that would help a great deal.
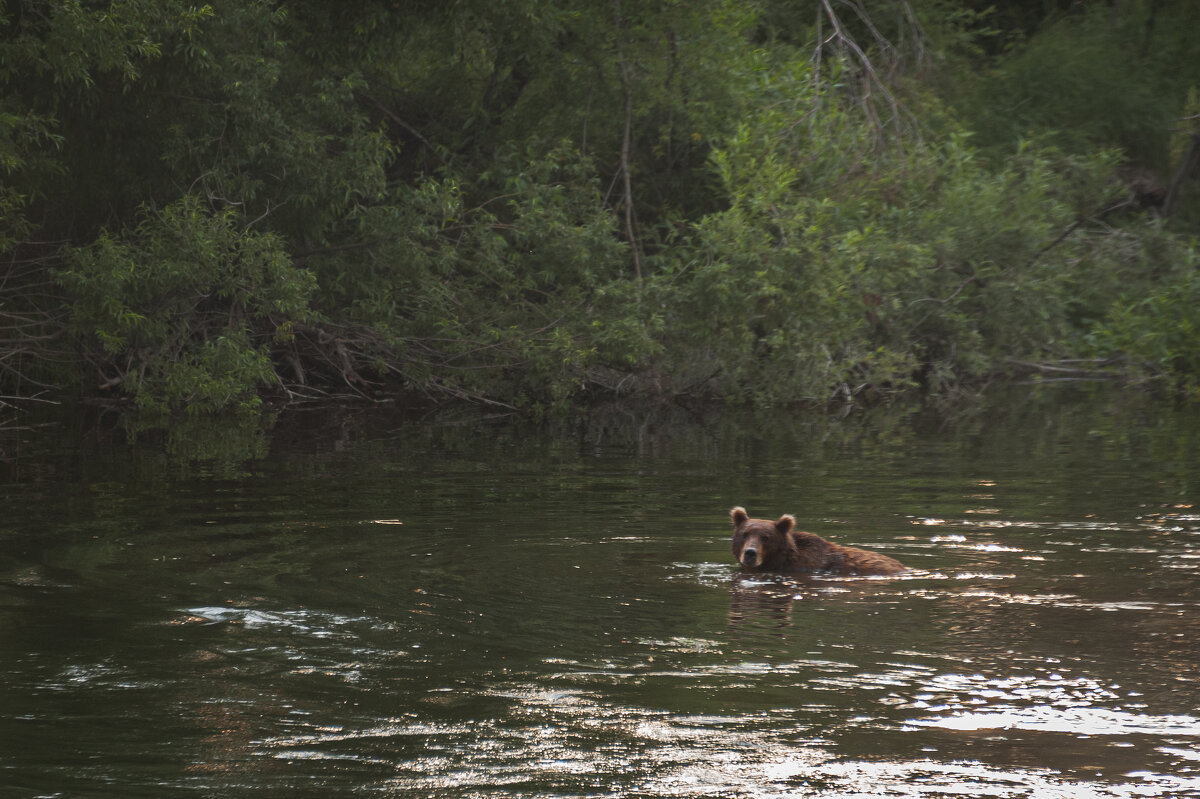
(763, 545)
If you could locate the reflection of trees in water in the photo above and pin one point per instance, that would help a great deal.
(221, 446)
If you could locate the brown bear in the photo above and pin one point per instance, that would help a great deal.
(775, 546)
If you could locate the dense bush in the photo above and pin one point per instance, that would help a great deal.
(183, 310)
(534, 203)
(1158, 331)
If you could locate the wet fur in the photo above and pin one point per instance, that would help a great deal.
(777, 546)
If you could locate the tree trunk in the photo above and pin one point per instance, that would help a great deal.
(1186, 167)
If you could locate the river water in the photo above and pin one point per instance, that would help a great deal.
(358, 605)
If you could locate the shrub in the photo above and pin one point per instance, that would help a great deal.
(180, 312)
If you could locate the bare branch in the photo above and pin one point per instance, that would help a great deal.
(1186, 167)
(626, 146)
(871, 82)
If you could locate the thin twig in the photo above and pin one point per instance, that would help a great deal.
(626, 146)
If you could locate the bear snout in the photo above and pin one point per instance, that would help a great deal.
(750, 557)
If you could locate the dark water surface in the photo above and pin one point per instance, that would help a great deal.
(472, 610)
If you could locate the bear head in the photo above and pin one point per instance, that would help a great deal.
(759, 543)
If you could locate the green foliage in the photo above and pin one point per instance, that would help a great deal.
(763, 295)
(181, 312)
(1002, 272)
(535, 202)
(492, 299)
(821, 281)
(1159, 333)
(22, 135)
(1095, 78)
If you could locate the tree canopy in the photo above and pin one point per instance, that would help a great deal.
(537, 202)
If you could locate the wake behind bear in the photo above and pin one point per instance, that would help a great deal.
(776, 546)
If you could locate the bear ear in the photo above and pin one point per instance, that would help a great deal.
(785, 524)
(738, 515)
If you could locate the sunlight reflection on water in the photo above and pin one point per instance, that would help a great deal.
(562, 729)
(499, 615)
(570, 742)
(1077, 721)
